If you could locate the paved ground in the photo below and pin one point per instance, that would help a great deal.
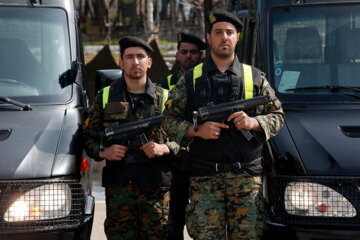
(100, 212)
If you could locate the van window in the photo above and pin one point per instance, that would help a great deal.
(316, 51)
(34, 51)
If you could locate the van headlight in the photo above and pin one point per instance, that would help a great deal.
(313, 199)
(49, 201)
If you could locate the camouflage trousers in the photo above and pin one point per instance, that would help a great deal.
(136, 213)
(225, 206)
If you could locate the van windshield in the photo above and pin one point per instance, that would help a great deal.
(34, 51)
(316, 51)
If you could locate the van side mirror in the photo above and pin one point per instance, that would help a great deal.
(69, 76)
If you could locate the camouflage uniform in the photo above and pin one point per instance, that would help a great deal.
(136, 213)
(227, 201)
(223, 201)
(137, 192)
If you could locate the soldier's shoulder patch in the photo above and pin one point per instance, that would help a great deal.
(86, 123)
(169, 103)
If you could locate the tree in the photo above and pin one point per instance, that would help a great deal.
(109, 19)
(128, 15)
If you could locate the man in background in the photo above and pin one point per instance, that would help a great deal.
(188, 55)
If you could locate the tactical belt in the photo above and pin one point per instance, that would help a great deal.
(224, 167)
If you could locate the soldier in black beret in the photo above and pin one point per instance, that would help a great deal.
(225, 167)
(183, 37)
(136, 177)
(188, 55)
(223, 16)
(127, 42)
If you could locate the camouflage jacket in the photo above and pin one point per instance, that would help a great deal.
(146, 174)
(271, 119)
(97, 119)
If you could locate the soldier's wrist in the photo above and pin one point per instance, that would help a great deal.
(166, 149)
(101, 154)
(191, 132)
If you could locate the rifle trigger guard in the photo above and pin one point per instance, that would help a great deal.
(101, 145)
(195, 122)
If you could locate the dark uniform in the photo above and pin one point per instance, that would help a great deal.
(180, 183)
(137, 188)
(225, 188)
(170, 81)
(179, 194)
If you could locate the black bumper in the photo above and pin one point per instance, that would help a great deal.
(294, 232)
(82, 232)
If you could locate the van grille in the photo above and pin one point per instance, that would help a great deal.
(19, 217)
(327, 211)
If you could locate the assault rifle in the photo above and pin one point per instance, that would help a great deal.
(220, 112)
(131, 130)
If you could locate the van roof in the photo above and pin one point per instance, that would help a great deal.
(67, 4)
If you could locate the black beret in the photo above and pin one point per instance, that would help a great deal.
(189, 38)
(223, 16)
(127, 42)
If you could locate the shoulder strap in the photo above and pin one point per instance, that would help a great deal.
(198, 71)
(161, 98)
(165, 97)
(248, 81)
(105, 96)
(170, 86)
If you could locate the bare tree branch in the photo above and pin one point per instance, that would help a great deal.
(198, 4)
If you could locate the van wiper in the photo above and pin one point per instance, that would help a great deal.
(331, 87)
(23, 106)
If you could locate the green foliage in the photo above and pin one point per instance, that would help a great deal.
(167, 42)
(113, 42)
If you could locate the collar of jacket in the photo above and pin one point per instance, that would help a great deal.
(235, 67)
(119, 86)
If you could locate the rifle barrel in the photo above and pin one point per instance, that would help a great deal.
(140, 124)
(229, 106)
